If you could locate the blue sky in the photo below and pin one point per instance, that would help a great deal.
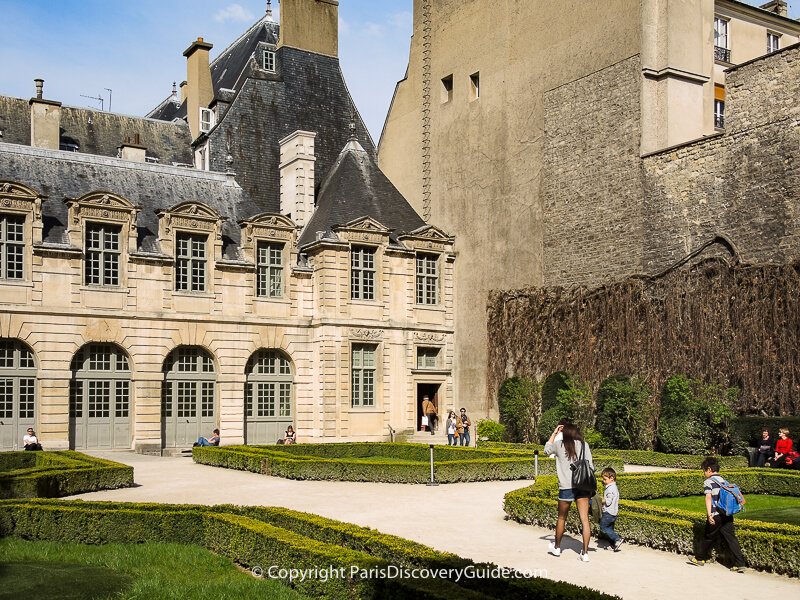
(134, 47)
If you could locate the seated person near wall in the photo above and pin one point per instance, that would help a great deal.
(291, 436)
(212, 441)
(765, 449)
(783, 449)
(30, 441)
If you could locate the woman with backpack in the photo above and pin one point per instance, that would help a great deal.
(573, 457)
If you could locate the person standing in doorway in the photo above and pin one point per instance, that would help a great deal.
(429, 410)
(465, 439)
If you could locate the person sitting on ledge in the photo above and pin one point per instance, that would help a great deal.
(212, 441)
(291, 436)
(30, 440)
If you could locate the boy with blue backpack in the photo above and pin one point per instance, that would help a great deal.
(723, 500)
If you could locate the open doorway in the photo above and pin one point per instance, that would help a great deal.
(432, 391)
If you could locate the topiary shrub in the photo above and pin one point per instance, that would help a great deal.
(626, 414)
(548, 422)
(695, 416)
(550, 388)
(491, 431)
(575, 403)
(520, 402)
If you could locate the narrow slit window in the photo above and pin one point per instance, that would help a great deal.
(447, 88)
(475, 86)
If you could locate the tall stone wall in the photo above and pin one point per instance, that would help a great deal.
(592, 184)
(616, 224)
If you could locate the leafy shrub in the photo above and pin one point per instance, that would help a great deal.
(552, 384)
(491, 431)
(575, 403)
(625, 413)
(594, 438)
(520, 402)
(695, 416)
(548, 422)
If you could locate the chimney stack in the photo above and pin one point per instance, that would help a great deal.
(311, 25)
(199, 89)
(45, 120)
(779, 7)
(133, 150)
(297, 176)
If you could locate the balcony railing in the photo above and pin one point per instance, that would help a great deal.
(722, 54)
(719, 121)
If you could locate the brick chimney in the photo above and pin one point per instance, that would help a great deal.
(45, 120)
(297, 176)
(199, 89)
(311, 25)
(779, 7)
(132, 149)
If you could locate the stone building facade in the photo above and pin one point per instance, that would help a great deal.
(145, 301)
(552, 140)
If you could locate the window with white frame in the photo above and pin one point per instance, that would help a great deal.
(427, 358)
(100, 385)
(189, 383)
(268, 60)
(206, 119)
(12, 246)
(190, 262)
(773, 42)
(719, 113)
(363, 374)
(362, 273)
(269, 266)
(17, 382)
(427, 279)
(101, 254)
(721, 32)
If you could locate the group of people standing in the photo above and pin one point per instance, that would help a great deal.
(457, 425)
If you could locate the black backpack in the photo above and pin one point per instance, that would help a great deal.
(583, 477)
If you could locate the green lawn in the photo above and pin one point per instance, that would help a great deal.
(63, 571)
(759, 507)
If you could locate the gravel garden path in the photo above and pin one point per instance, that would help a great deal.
(469, 522)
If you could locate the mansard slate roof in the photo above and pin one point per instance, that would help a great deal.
(229, 70)
(59, 175)
(101, 133)
(354, 188)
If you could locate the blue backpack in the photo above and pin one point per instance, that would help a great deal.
(730, 500)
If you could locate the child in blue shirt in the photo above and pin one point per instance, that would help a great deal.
(610, 507)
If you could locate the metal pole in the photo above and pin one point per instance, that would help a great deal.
(535, 464)
(432, 481)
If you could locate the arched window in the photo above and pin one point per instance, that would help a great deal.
(17, 392)
(188, 396)
(100, 398)
(268, 396)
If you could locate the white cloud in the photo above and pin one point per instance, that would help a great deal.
(344, 27)
(234, 12)
(402, 20)
(373, 29)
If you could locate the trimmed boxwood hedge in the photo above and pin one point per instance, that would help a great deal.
(254, 536)
(646, 458)
(767, 546)
(55, 474)
(352, 462)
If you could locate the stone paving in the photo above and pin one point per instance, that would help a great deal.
(469, 521)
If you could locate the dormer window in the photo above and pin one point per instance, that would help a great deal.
(12, 246)
(268, 60)
(206, 119)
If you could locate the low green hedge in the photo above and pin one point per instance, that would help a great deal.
(278, 537)
(365, 462)
(767, 546)
(646, 458)
(57, 474)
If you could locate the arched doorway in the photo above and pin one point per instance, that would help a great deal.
(188, 396)
(267, 397)
(99, 398)
(17, 392)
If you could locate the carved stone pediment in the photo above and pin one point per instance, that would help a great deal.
(427, 238)
(195, 210)
(267, 226)
(430, 337)
(191, 216)
(363, 229)
(101, 205)
(366, 334)
(20, 198)
(363, 224)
